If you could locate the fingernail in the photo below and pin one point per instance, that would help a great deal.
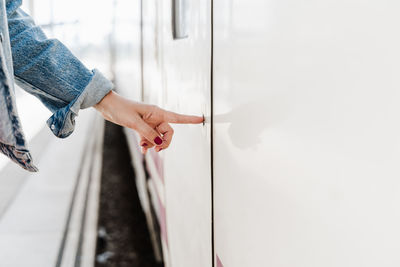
(144, 144)
(158, 140)
(159, 149)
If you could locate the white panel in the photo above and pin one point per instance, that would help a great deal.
(307, 139)
(177, 77)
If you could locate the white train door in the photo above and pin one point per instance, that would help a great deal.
(307, 133)
(177, 76)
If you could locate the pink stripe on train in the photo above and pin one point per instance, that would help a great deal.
(163, 221)
(158, 162)
(219, 263)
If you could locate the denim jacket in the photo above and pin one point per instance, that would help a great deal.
(45, 68)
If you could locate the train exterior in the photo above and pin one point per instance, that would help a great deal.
(298, 161)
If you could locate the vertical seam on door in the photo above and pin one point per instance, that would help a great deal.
(212, 132)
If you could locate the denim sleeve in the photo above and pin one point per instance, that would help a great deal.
(47, 69)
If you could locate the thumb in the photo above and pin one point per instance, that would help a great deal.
(149, 133)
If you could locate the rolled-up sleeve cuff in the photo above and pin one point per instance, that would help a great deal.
(62, 122)
(20, 156)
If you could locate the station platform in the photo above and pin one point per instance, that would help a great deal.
(49, 218)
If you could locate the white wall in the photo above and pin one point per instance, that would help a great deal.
(307, 139)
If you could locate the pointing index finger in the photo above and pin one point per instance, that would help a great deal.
(173, 117)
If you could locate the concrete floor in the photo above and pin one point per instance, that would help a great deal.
(34, 207)
(41, 214)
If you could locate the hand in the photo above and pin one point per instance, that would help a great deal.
(151, 122)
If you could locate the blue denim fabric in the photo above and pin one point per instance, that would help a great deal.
(45, 68)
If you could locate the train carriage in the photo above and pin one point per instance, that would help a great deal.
(297, 163)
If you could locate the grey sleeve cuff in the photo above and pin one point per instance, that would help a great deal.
(98, 87)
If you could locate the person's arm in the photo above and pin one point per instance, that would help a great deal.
(47, 69)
